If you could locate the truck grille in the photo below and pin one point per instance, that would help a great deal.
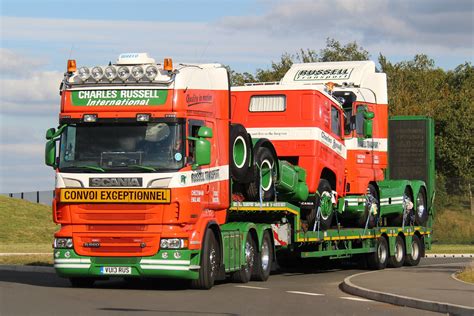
(115, 246)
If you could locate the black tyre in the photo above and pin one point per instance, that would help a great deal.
(240, 153)
(210, 262)
(323, 201)
(82, 282)
(264, 169)
(414, 258)
(378, 260)
(398, 258)
(372, 201)
(245, 273)
(421, 208)
(264, 258)
(404, 218)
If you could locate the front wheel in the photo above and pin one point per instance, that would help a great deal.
(244, 274)
(396, 261)
(263, 262)
(323, 203)
(210, 262)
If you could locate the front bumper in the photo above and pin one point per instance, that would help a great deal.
(176, 263)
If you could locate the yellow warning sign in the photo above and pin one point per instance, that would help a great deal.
(115, 195)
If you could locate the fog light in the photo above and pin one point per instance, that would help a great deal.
(89, 118)
(143, 117)
(63, 243)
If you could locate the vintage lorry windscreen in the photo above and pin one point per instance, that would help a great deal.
(136, 147)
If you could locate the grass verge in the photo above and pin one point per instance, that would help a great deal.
(454, 227)
(467, 274)
(33, 260)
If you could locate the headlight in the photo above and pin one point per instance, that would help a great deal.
(123, 73)
(137, 72)
(63, 243)
(110, 73)
(84, 73)
(173, 243)
(151, 72)
(97, 73)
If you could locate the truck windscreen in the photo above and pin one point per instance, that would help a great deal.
(144, 147)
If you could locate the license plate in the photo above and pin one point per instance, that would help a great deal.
(116, 270)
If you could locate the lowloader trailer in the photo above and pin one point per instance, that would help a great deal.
(156, 178)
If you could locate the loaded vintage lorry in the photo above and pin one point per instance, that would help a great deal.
(163, 171)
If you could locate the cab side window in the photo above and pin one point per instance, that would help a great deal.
(193, 128)
(335, 121)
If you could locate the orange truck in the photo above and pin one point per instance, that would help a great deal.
(162, 171)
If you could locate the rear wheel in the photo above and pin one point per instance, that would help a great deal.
(398, 258)
(265, 164)
(264, 258)
(210, 262)
(82, 282)
(244, 274)
(414, 258)
(378, 260)
(421, 210)
(324, 203)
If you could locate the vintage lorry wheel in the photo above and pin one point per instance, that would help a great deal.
(414, 258)
(378, 260)
(323, 200)
(245, 273)
(264, 258)
(210, 262)
(421, 208)
(82, 282)
(398, 258)
(373, 198)
(399, 219)
(265, 164)
(241, 152)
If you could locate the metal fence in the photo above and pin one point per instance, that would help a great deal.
(42, 197)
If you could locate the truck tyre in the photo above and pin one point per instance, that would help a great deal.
(210, 262)
(414, 258)
(244, 274)
(372, 192)
(421, 209)
(378, 260)
(323, 200)
(398, 258)
(264, 258)
(82, 282)
(241, 152)
(265, 164)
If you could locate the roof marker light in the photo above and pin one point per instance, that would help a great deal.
(89, 118)
(143, 117)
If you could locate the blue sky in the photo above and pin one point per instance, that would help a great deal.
(37, 37)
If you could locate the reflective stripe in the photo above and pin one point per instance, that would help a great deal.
(153, 261)
(72, 266)
(164, 267)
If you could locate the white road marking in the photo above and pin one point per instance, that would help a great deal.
(252, 287)
(355, 299)
(305, 293)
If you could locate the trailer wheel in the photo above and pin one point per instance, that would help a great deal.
(414, 258)
(244, 274)
(210, 262)
(421, 210)
(82, 282)
(265, 164)
(378, 260)
(241, 152)
(323, 200)
(398, 258)
(264, 258)
(373, 198)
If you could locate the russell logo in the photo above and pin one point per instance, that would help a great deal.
(115, 182)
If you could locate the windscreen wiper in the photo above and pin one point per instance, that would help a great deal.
(147, 168)
(87, 167)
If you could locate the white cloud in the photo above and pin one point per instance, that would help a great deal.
(12, 63)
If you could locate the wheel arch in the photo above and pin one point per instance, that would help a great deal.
(329, 175)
